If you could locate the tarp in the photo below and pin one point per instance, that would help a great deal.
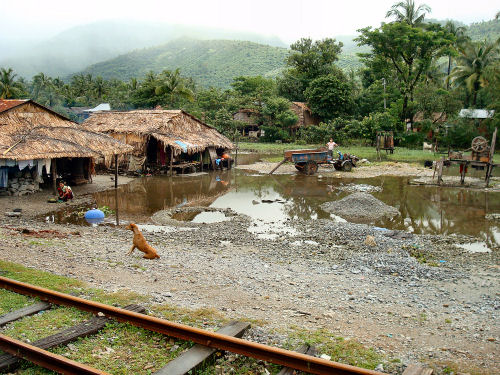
(183, 145)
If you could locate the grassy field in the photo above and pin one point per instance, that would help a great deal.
(120, 348)
(363, 152)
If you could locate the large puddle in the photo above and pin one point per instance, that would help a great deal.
(274, 201)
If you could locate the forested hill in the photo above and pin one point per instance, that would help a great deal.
(489, 30)
(208, 62)
(78, 47)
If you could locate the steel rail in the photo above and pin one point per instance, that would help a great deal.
(44, 358)
(266, 353)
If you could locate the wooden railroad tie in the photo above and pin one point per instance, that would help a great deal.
(194, 357)
(86, 328)
(25, 311)
(413, 369)
(304, 349)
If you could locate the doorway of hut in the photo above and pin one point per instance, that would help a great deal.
(152, 151)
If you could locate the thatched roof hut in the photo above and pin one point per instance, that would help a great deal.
(162, 137)
(29, 130)
(174, 128)
(36, 142)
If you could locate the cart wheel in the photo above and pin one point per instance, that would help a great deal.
(337, 167)
(311, 167)
(300, 166)
(346, 166)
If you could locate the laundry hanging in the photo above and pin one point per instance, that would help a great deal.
(4, 177)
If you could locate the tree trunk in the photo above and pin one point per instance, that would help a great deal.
(449, 70)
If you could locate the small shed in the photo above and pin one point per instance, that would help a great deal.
(162, 139)
(36, 142)
(250, 118)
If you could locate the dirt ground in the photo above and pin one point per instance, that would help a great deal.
(363, 171)
(325, 276)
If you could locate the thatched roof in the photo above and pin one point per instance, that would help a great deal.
(168, 126)
(29, 130)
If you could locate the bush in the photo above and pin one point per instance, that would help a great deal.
(317, 133)
(460, 135)
(412, 140)
(273, 134)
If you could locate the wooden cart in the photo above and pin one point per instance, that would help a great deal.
(306, 161)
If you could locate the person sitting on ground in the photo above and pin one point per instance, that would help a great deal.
(331, 145)
(65, 191)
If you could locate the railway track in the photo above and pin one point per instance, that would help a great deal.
(130, 314)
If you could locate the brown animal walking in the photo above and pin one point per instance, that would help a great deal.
(141, 243)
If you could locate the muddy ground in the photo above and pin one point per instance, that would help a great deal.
(418, 298)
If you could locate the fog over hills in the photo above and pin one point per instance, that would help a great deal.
(80, 46)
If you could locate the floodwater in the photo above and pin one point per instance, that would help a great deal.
(274, 201)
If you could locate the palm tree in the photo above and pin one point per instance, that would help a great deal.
(460, 38)
(9, 88)
(473, 64)
(99, 87)
(173, 86)
(406, 11)
(41, 82)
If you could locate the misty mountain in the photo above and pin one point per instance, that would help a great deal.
(78, 47)
(208, 62)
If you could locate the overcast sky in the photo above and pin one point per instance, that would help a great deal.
(287, 19)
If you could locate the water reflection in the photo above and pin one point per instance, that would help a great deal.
(274, 201)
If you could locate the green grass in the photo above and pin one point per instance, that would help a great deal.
(401, 154)
(363, 152)
(120, 348)
(338, 348)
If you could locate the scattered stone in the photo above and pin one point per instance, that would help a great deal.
(370, 241)
(325, 356)
(380, 367)
(13, 214)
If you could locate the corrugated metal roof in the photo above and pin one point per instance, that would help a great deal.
(476, 113)
(6, 104)
(100, 107)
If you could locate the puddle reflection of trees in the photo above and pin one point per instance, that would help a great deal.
(148, 195)
(430, 210)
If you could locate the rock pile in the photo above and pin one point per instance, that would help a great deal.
(23, 183)
(360, 207)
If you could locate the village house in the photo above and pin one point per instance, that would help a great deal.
(250, 118)
(163, 140)
(38, 145)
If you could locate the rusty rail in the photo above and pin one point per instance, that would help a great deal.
(267, 353)
(46, 359)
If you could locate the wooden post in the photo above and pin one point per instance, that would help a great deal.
(171, 161)
(53, 168)
(116, 171)
(201, 161)
(116, 208)
(462, 173)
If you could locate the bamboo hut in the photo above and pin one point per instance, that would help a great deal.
(36, 142)
(162, 139)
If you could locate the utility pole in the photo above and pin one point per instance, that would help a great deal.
(385, 102)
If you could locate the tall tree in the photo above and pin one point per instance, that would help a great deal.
(307, 61)
(330, 96)
(460, 38)
(41, 82)
(473, 64)
(410, 50)
(407, 11)
(9, 87)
